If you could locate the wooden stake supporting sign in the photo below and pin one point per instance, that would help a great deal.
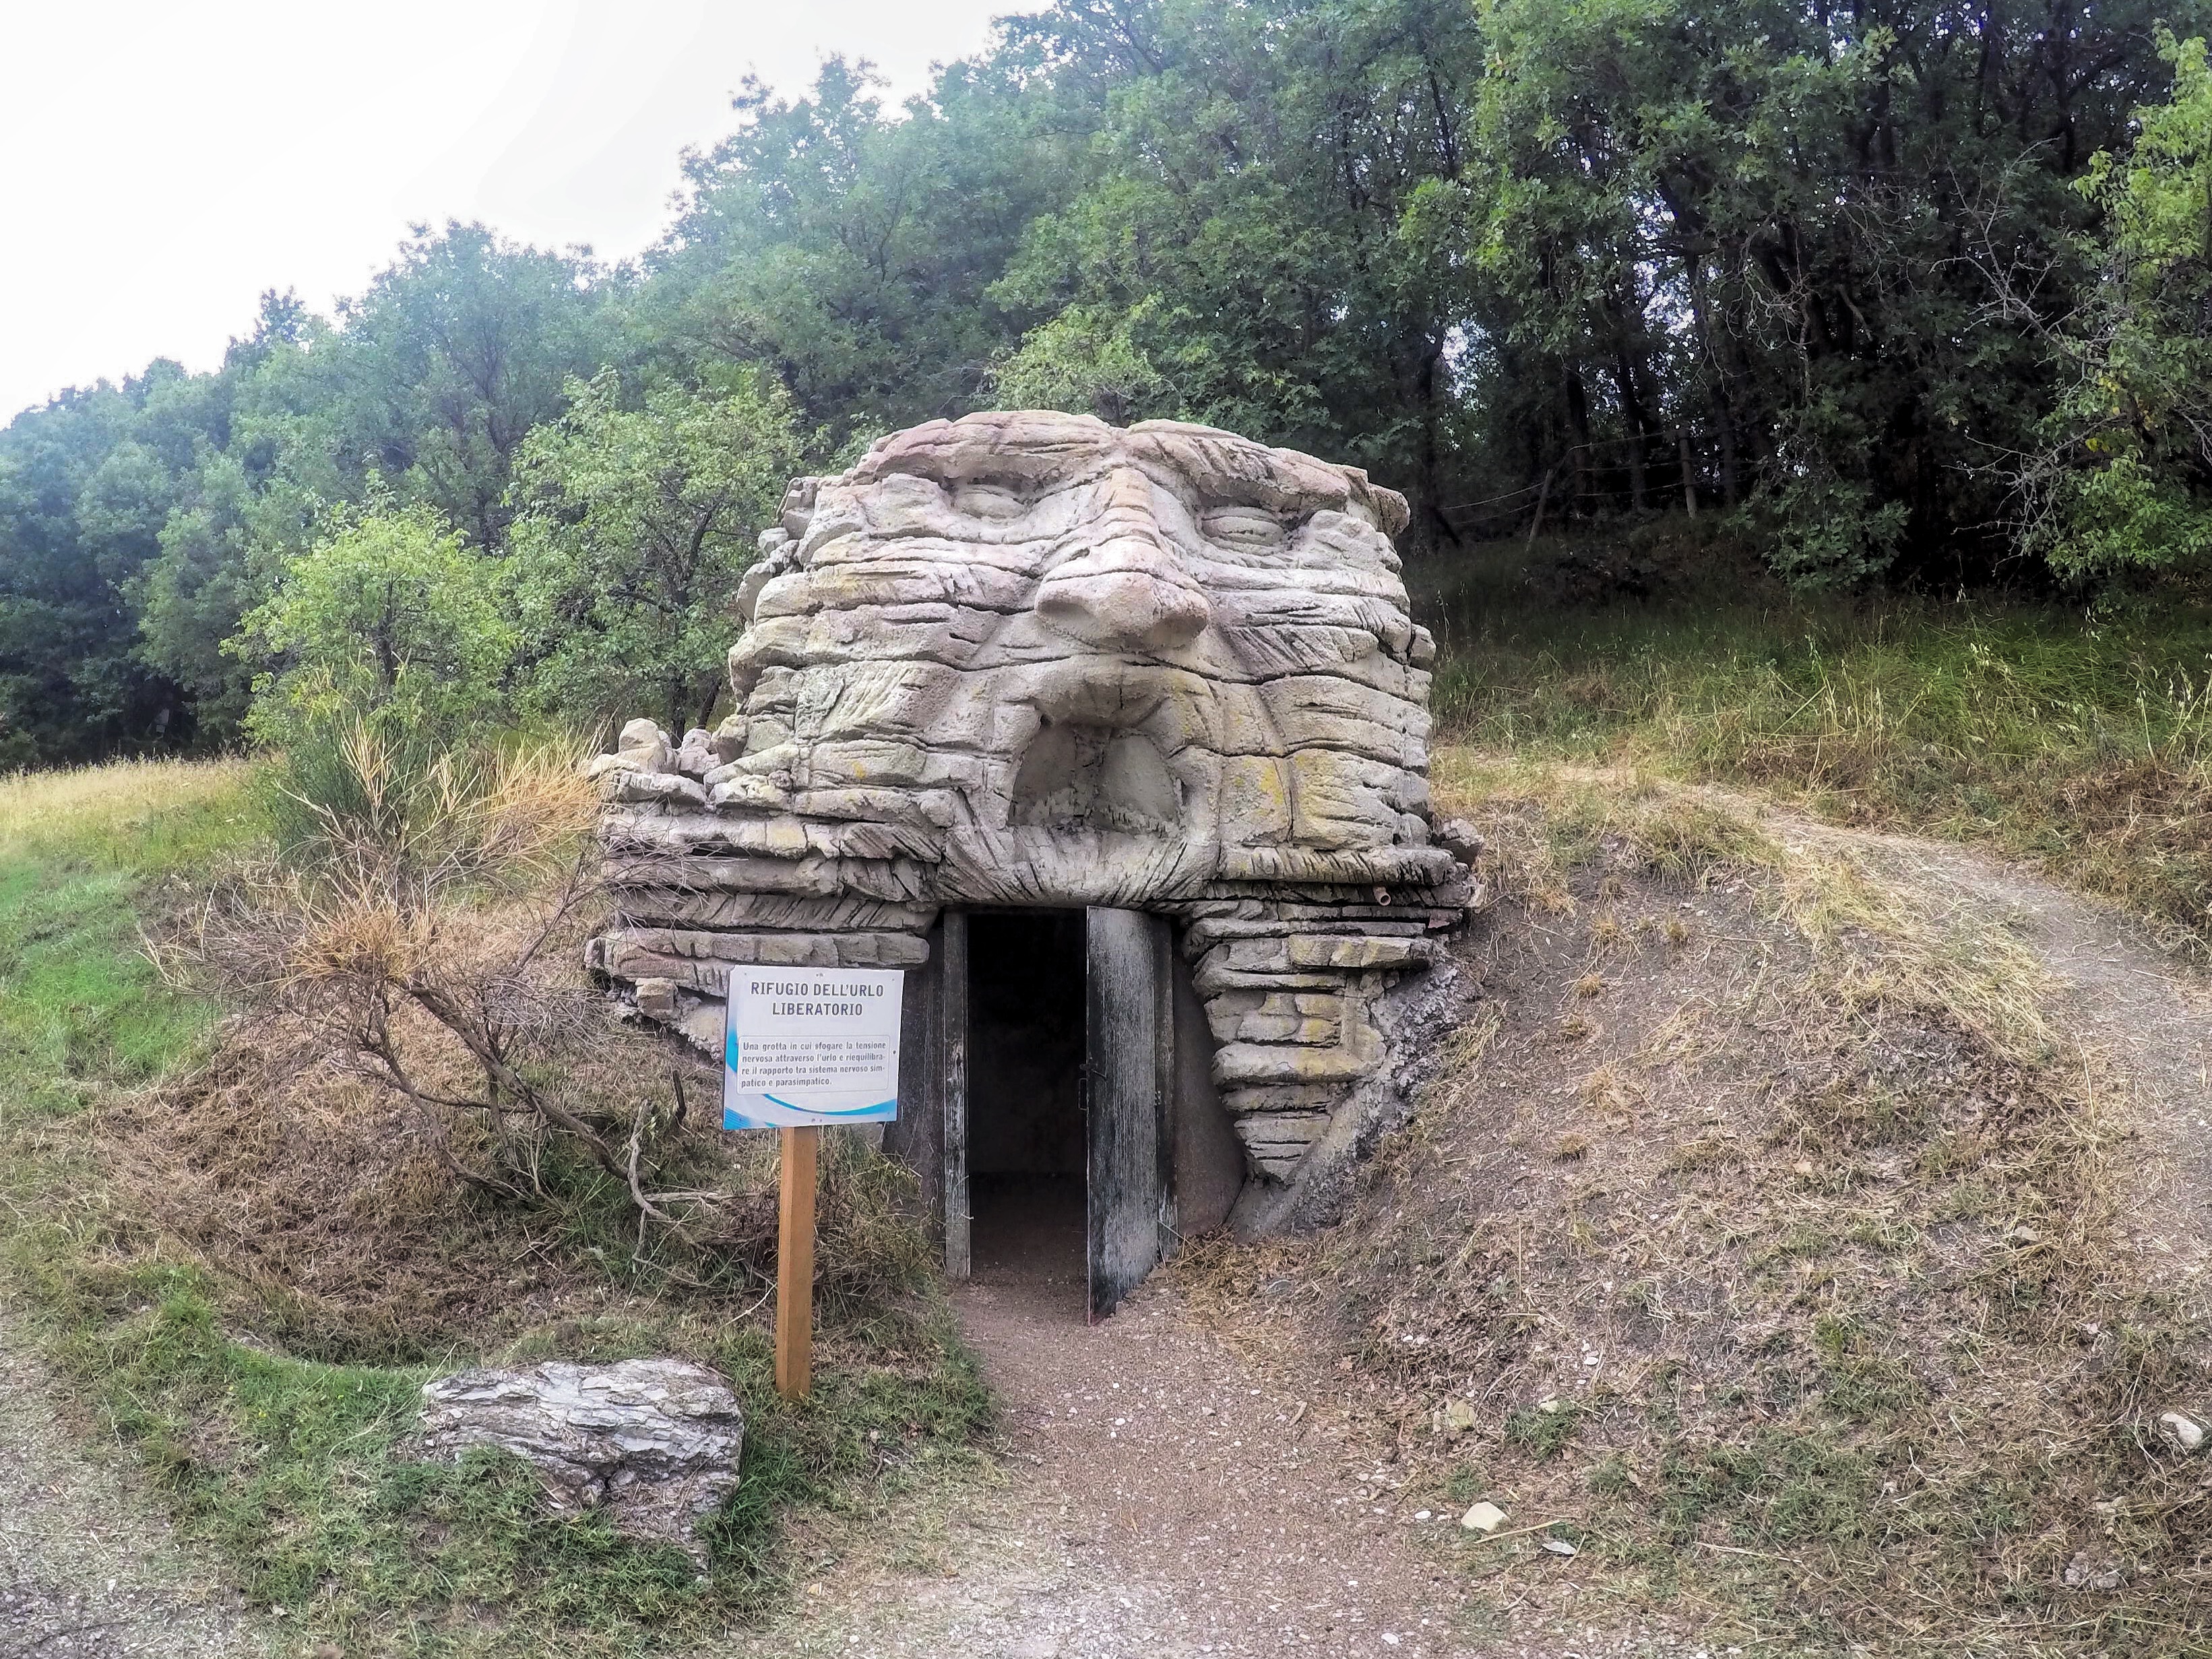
(803, 1047)
(794, 1264)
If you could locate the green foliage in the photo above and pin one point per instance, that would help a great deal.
(1240, 250)
(2126, 480)
(632, 529)
(82, 503)
(1791, 245)
(848, 249)
(391, 617)
(1906, 293)
(1090, 361)
(457, 350)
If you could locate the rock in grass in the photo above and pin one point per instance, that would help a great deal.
(1485, 1518)
(2093, 1572)
(655, 1442)
(2184, 1431)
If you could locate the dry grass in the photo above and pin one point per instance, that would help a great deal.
(2080, 742)
(425, 1124)
(243, 1255)
(130, 813)
(1776, 1255)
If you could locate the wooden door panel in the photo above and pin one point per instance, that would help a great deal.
(953, 1020)
(1129, 1050)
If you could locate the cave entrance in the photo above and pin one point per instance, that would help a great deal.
(1072, 1099)
(1027, 1146)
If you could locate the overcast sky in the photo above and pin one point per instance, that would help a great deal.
(168, 160)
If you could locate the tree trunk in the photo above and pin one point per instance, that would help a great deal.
(1578, 425)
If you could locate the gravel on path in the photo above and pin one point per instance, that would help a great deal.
(1173, 1499)
(87, 1568)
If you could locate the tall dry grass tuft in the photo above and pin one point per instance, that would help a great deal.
(411, 931)
(390, 812)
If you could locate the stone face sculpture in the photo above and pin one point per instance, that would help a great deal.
(1031, 659)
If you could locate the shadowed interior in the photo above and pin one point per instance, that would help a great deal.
(1026, 1144)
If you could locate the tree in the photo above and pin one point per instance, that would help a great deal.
(633, 527)
(850, 251)
(2125, 479)
(391, 619)
(1768, 236)
(85, 484)
(1242, 233)
(1089, 360)
(437, 374)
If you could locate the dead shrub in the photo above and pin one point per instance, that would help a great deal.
(425, 1104)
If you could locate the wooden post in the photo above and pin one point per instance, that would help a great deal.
(1543, 496)
(794, 1264)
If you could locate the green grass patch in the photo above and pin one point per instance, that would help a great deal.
(295, 1473)
(1544, 1430)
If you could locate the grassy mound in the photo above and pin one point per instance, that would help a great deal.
(1760, 1257)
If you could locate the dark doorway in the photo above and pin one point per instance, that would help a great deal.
(1027, 1142)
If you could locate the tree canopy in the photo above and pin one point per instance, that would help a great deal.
(1914, 289)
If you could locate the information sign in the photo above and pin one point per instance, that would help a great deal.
(810, 1046)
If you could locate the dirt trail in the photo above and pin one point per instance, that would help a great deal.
(87, 1569)
(2146, 1016)
(1172, 1499)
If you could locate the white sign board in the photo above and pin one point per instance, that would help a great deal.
(811, 1045)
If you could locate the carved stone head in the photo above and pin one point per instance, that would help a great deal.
(1031, 658)
(1100, 666)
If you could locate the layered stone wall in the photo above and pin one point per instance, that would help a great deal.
(1031, 659)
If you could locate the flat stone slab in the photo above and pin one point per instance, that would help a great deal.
(654, 1442)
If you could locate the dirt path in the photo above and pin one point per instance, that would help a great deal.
(2146, 1016)
(87, 1569)
(1171, 1498)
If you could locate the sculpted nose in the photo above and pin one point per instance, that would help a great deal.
(1123, 596)
(1127, 591)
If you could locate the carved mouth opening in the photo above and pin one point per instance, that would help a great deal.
(1095, 777)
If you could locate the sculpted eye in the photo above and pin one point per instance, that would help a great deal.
(989, 501)
(1242, 526)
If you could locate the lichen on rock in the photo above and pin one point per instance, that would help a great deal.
(654, 1441)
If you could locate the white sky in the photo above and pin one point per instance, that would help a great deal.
(168, 160)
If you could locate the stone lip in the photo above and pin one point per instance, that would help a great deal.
(654, 1442)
